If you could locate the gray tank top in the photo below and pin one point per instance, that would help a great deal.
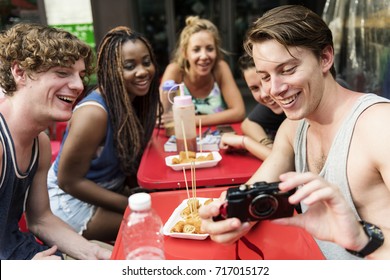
(335, 168)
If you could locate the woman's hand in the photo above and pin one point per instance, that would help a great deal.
(229, 140)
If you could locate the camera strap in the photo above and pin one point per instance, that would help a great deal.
(250, 246)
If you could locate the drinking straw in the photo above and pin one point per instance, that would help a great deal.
(200, 135)
(185, 140)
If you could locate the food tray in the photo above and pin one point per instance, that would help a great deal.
(175, 217)
(198, 164)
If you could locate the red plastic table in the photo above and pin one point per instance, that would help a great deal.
(234, 168)
(275, 241)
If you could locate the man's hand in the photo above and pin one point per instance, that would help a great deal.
(47, 254)
(225, 231)
(328, 217)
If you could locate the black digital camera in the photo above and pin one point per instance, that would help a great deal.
(260, 201)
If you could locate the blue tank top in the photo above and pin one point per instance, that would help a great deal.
(106, 166)
(14, 185)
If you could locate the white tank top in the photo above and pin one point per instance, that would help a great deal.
(335, 168)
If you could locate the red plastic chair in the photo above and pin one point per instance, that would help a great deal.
(60, 130)
(55, 149)
(23, 224)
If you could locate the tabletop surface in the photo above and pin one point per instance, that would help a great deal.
(275, 241)
(153, 173)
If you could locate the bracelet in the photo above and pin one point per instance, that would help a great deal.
(266, 141)
(243, 142)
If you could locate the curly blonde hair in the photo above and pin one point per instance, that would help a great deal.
(194, 24)
(38, 48)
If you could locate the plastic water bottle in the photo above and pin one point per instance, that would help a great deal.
(142, 235)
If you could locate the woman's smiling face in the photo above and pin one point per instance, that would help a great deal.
(138, 68)
(201, 52)
(253, 82)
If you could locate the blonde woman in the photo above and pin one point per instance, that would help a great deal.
(198, 63)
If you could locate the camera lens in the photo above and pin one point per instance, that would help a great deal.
(263, 206)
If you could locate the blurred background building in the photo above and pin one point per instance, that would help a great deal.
(361, 31)
(159, 20)
(360, 27)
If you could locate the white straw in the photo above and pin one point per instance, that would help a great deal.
(185, 180)
(200, 135)
(185, 140)
(194, 181)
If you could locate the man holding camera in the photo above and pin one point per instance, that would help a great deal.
(328, 150)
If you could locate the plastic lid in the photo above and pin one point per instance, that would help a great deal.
(180, 100)
(168, 84)
(140, 201)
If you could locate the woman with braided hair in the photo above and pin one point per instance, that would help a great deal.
(106, 136)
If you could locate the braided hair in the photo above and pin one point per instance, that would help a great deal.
(133, 121)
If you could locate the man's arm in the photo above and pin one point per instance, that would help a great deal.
(46, 226)
(329, 217)
(372, 175)
(281, 160)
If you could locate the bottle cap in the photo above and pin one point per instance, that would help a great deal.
(181, 100)
(168, 84)
(140, 201)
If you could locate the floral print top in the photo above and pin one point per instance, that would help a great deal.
(213, 103)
